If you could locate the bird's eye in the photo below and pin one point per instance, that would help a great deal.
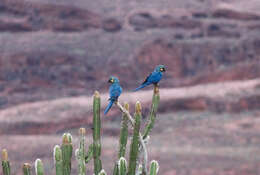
(112, 80)
(161, 69)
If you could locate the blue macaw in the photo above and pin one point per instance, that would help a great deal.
(153, 78)
(115, 91)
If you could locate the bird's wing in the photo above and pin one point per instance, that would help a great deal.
(147, 78)
(115, 92)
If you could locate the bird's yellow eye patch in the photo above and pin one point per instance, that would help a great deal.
(161, 69)
(112, 80)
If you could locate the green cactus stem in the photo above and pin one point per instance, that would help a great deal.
(5, 163)
(26, 169)
(116, 169)
(66, 149)
(154, 167)
(134, 149)
(123, 133)
(57, 154)
(123, 137)
(81, 152)
(39, 167)
(154, 108)
(96, 134)
(122, 166)
(89, 154)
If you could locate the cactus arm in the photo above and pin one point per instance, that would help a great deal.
(122, 165)
(57, 155)
(89, 154)
(154, 108)
(134, 149)
(81, 152)
(26, 169)
(123, 133)
(39, 167)
(96, 134)
(154, 167)
(66, 149)
(130, 118)
(5, 163)
(116, 169)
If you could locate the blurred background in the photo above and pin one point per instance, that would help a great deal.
(55, 53)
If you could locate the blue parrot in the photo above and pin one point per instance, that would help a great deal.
(115, 91)
(153, 78)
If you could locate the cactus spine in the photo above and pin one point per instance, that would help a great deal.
(66, 149)
(57, 153)
(154, 107)
(96, 134)
(5, 163)
(134, 149)
(39, 167)
(26, 169)
(81, 152)
(154, 167)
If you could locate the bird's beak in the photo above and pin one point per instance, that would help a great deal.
(164, 69)
(109, 81)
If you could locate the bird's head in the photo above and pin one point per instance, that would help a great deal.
(160, 68)
(113, 79)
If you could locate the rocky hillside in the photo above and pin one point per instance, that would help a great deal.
(53, 49)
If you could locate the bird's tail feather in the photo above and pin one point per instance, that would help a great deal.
(108, 106)
(140, 87)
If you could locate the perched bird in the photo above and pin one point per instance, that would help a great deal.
(153, 78)
(115, 91)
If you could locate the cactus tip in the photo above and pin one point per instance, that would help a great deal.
(96, 94)
(37, 164)
(138, 107)
(126, 106)
(66, 138)
(82, 131)
(156, 165)
(102, 172)
(4, 155)
(57, 154)
(27, 166)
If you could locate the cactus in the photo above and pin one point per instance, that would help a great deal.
(122, 166)
(39, 167)
(102, 172)
(5, 163)
(89, 154)
(96, 134)
(26, 169)
(63, 154)
(81, 152)
(154, 167)
(66, 149)
(57, 155)
(123, 133)
(134, 149)
(154, 107)
(123, 137)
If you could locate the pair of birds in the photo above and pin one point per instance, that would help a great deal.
(115, 89)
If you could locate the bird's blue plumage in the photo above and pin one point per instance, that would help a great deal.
(115, 91)
(153, 78)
